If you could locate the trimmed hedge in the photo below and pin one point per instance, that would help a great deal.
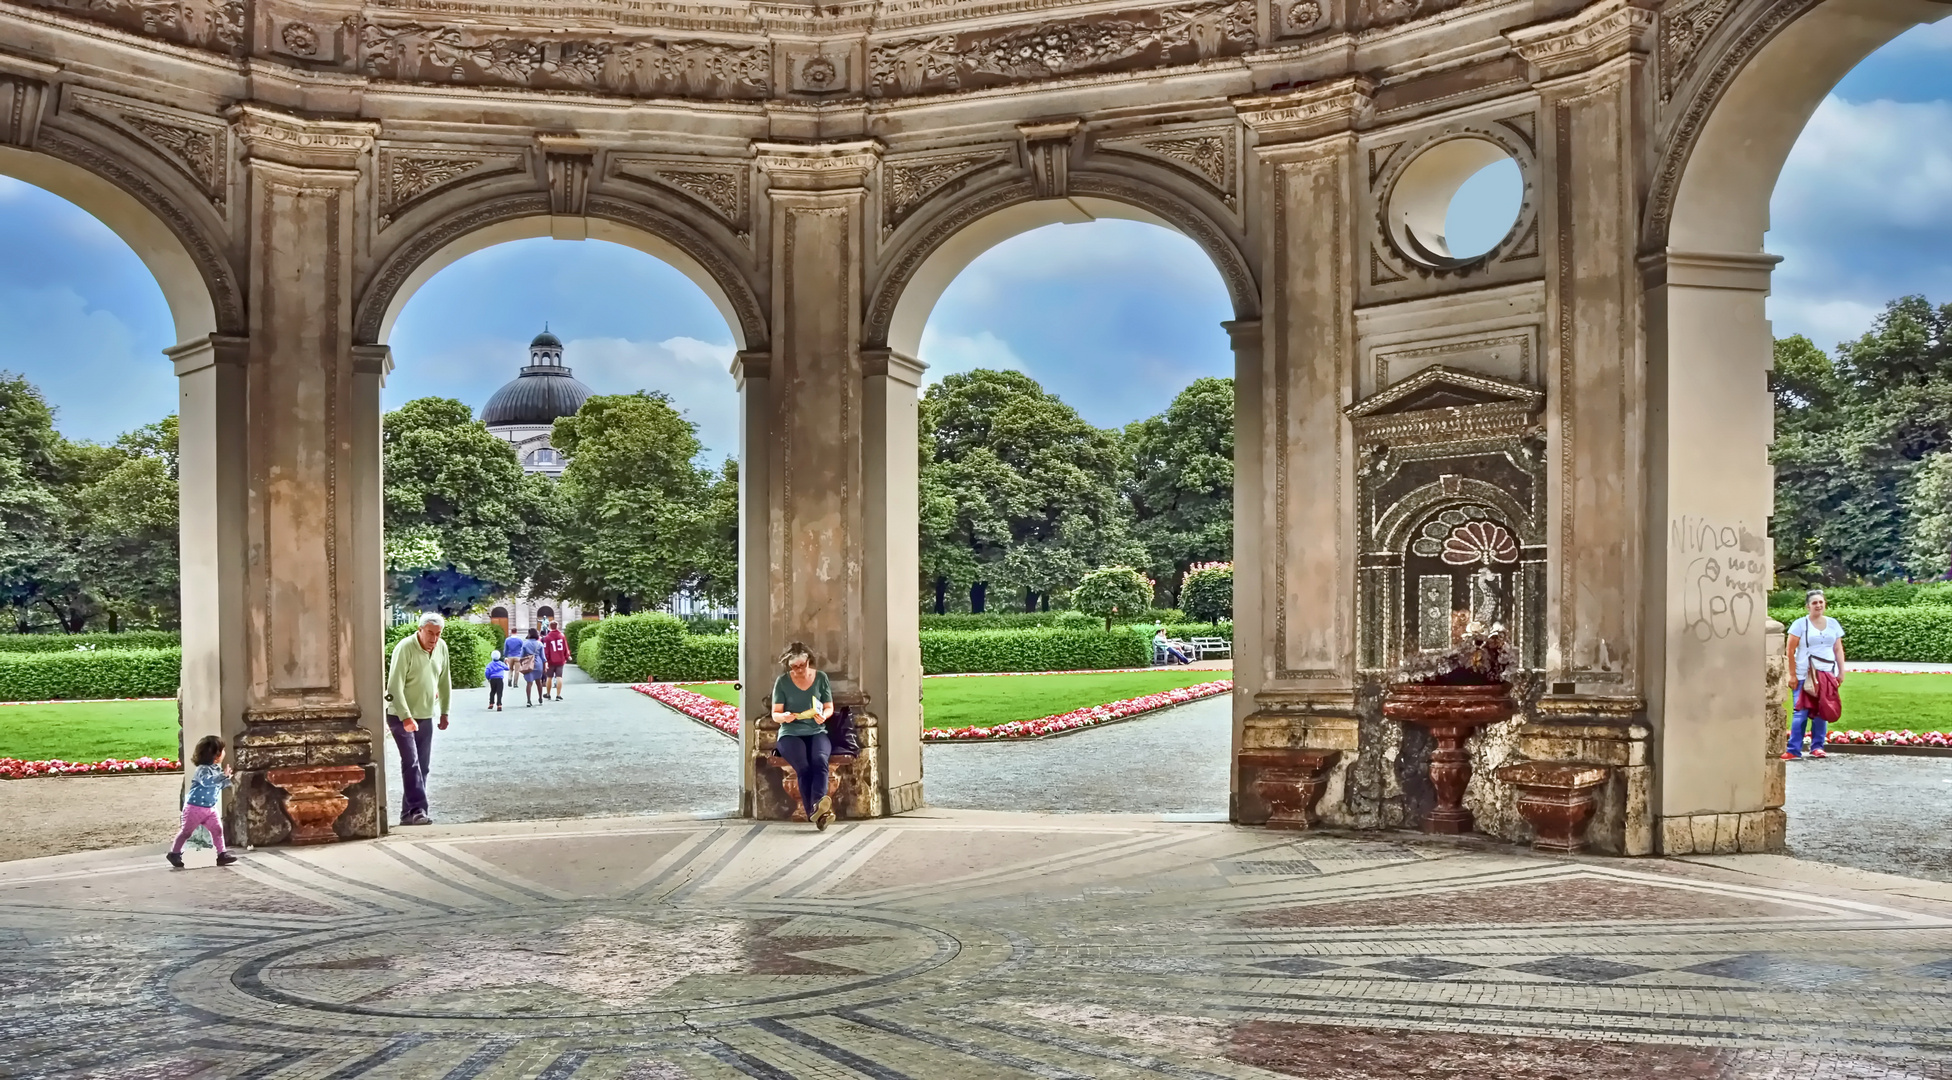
(574, 629)
(133, 639)
(468, 646)
(1917, 633)
(655, 648)
(104, 673)
(1027, 620)
(1867, 596)
(960, 652)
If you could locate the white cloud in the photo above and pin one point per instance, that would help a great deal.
(946, 353)
(1876, 161)
(696, 374)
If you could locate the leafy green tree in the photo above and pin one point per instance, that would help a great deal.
(1018, 491)
(451, 481)
(1179, 479)
(1208, 594)
(1928, 525)
(1114, 592)
(129, 550)
(637, 517)
(717, 573)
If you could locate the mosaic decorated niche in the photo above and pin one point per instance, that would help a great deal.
(1451, 498)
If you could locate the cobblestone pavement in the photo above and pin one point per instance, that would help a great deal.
(950, 944)
(1891, 814)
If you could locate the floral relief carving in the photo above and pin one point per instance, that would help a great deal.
(414, 52)
(723, 190)
(1299, 17)
(204, 24)
(406, 177)
(904, 185)
(1683, 28)
(196, 151)
(975, 59)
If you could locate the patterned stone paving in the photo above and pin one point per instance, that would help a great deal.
(960, 945)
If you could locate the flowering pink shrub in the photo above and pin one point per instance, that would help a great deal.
(1080, 718)
(1891, 738)
(16, 769)
(697, 706)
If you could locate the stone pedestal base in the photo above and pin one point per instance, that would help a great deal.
(1288, 782)
(1557, 799)
(313, 799)
(1450, 714)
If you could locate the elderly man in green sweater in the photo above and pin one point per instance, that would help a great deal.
(418, 687)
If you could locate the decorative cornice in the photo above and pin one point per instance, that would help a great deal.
(1743, 271)
(290, 140)
(1531, 397)
(1309, 112)
(1587, 38)
(895, 365)
(817, 166)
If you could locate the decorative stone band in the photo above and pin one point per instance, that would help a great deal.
(1315, 110)
(1587, 38)
(291, 140)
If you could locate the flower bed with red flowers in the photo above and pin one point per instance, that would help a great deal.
(725, 717)
(1079, 719)
(1938, 739)
(703, 709)
(16, 769)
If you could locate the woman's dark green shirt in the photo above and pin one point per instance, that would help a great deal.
(797, 700)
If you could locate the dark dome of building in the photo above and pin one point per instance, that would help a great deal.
(546, 338)
(536, 397)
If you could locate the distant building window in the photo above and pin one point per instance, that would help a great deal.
(544, 456)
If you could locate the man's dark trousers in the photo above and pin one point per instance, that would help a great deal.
(416, 752)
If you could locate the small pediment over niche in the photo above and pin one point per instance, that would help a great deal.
(1442, 387)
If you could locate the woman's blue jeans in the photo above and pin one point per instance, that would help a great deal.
(1819, 728)
(808, 755)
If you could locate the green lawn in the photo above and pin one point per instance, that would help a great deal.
(988, 700)
(88, 730)
(1874, 702)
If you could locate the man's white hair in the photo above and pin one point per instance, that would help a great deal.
(432, 617)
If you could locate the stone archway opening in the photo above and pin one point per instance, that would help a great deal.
(1710, 347)
(1131, 310)
(524, 329)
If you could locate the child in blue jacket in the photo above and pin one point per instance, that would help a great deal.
(497, 672)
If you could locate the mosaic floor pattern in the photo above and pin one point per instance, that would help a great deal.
(959, 944)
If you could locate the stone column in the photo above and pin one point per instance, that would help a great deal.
(312, 561)
(758, 652)
(211, 494)
(806, 433)
(1294, 525)
(371, 364)
(892, 624)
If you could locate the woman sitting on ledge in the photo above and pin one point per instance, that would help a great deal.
(802, 704)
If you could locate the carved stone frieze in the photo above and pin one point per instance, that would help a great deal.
(408, 174)
(198, 146)
(969, 60)
(420, 52)
(1319, 108)
(1296, 17)
(906, 184)
(1590, 36)
(1683, 27)
(1210, 154)
(203, 24)
(1373, 13)
(723, 187)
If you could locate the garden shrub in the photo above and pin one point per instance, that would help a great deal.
(1114, 593)
(711, 656)
(1854, 596)
(959, 652)
(103, 673)
(589, 654)
(700, 625)
(999, 620)
(1208, 593)
(468, 647)
(1915, 633)
(1938, 592)
(575, 630)
(655, 648)
(132, 639)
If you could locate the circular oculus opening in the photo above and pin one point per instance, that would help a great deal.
(1456, 202)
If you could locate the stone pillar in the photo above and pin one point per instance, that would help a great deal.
(758, 652)
(891, 647)
(1294, 565)
(211, 496)
(311, 560)
(835, 568)
(371, 364)
(1591, 71)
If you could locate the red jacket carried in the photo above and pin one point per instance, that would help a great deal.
(1820, 696)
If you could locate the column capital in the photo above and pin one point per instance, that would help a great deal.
(372, 360)
(1743, 271)
(1329, 107)
(1587, 38)
(208, 351)
(835, 166)
(284, 139)
(752, 364)
(1243, 334)
(892, 364)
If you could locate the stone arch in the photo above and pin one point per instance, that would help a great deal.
(949, 239)
(196, 279)
(526, 217)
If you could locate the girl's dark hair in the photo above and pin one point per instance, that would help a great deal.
(207, 750)
(532, 634)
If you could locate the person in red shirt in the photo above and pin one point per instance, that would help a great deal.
(555, 653)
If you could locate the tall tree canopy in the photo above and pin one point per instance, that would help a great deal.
(1851, 433)
(1022, 492)
(463, 522)
(1179, 479)
(638, 517)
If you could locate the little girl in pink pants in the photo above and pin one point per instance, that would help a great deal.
(200, 807)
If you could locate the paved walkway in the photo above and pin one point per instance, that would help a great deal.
(949, 944)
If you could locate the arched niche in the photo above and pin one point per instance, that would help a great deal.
(926, 284)
(530, 227)
(181, 279)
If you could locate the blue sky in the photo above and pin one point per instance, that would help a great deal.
(1114, 316)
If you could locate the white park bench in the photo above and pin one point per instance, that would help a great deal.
(1204, 647)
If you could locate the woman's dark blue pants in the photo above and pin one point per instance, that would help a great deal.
(808, 755)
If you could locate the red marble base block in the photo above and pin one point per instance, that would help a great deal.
(1451, 714)
(1557, 799)
(314, 799)
(1289, 781)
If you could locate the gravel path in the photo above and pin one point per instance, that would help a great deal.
(1888, 813)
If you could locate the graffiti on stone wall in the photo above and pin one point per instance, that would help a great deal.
(1724, 576)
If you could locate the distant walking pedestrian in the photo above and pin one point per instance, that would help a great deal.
(802, 703)
(534, 673)
(497, 674)
(1816, 645)
(555, 654)
(200, 806)
(419, 684)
